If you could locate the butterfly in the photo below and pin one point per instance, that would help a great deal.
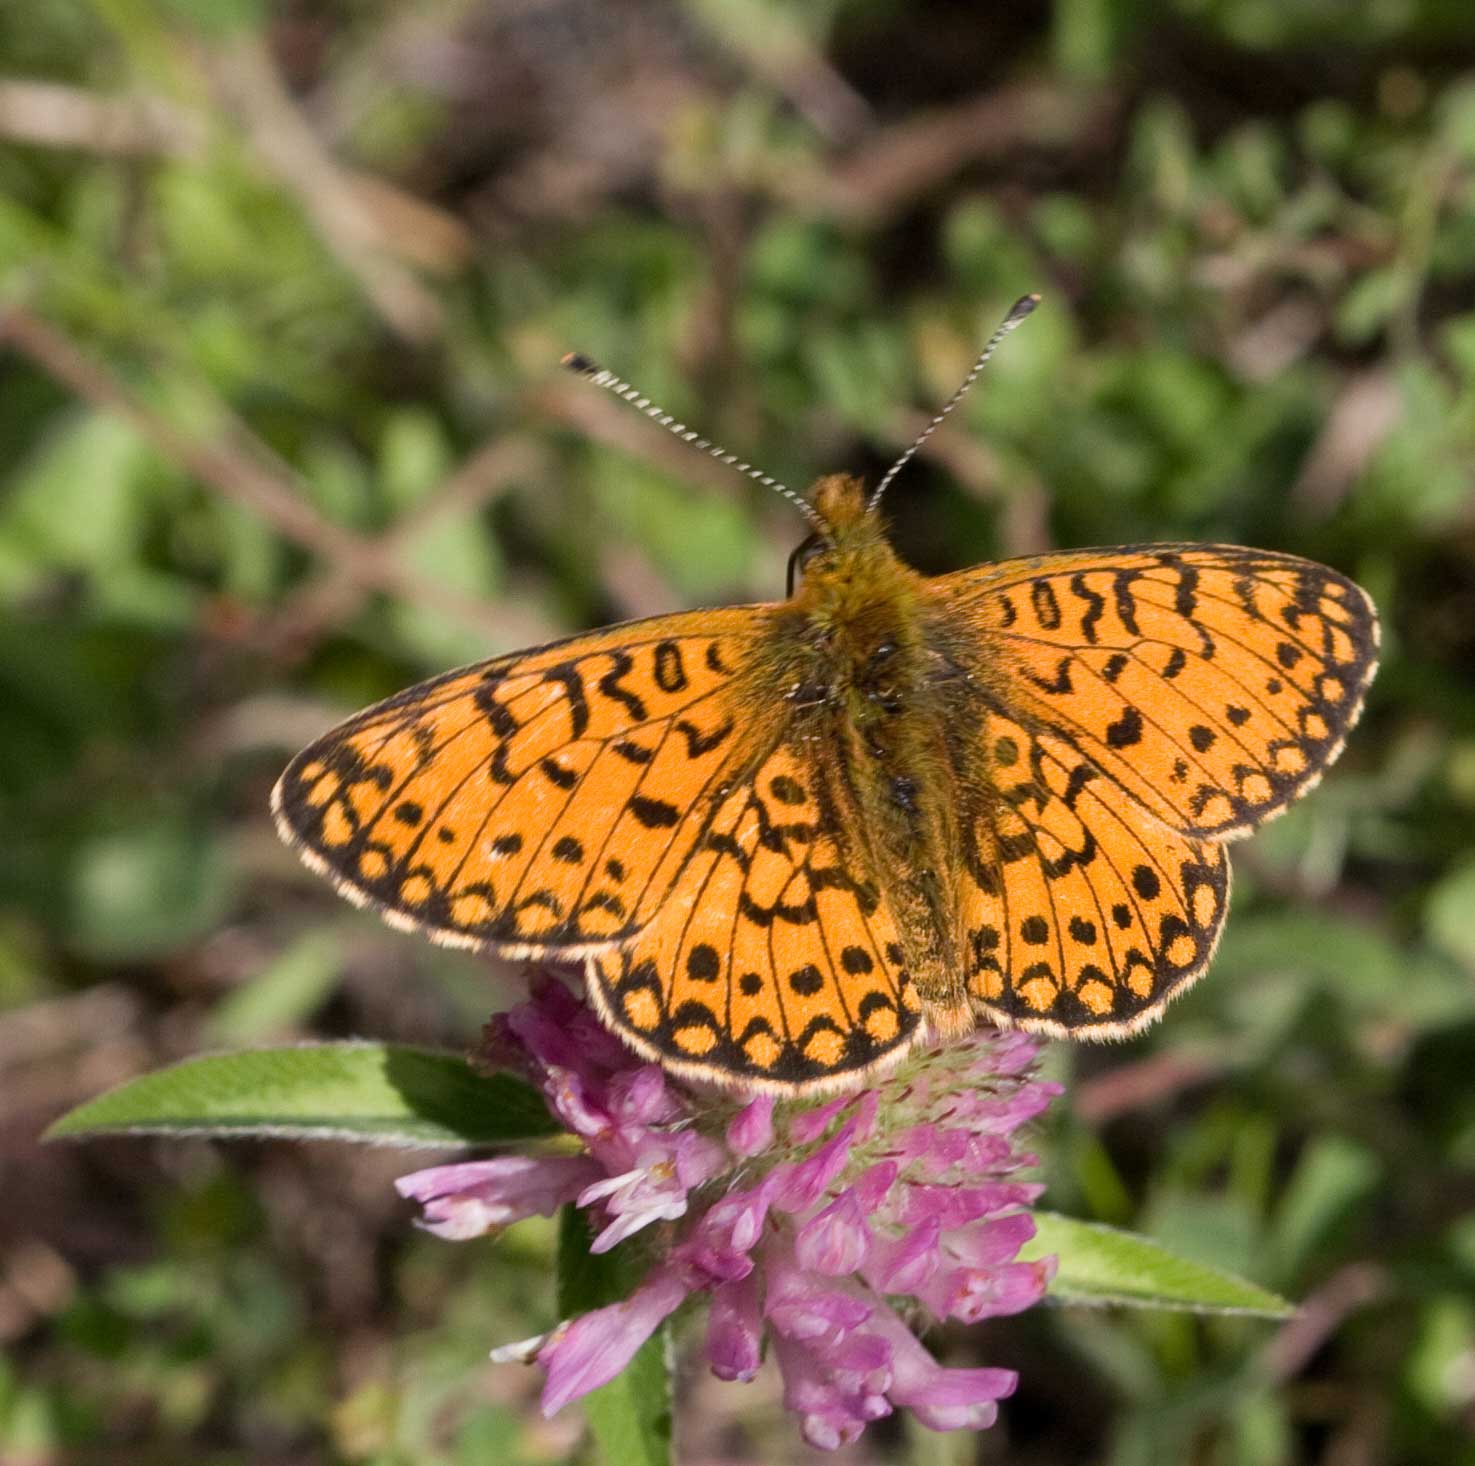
(787, 842)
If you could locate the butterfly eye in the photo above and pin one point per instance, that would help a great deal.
(799, 560)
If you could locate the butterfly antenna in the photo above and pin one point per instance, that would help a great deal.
(603, 377)
(1017, 313)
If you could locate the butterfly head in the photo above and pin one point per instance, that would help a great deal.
(849, 553)
(840, 500)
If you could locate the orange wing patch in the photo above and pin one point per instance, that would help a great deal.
(1080, 914)
(774, 961)
(545, 802)
(1213, 684)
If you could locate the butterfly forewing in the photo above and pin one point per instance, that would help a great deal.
(1213, 684)
(544, 802)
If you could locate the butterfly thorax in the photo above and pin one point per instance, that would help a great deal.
(861, 677)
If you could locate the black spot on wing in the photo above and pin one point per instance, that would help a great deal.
(1127, 729)
(654, 814)
(669, 671)
(1124, 602)
(1058, 684)
(703, 964)
(556, 774)
(566, 674)
(698, 742)
(1095, 605)
(612, 686)
(1046, 606)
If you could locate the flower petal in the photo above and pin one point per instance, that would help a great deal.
(905, 1187)
(591, 1350)
(735, 1330)
(905, 1264)
(836, 1240)
(802, 1306)
(942, 1399)
(830, 1415)
(751, 1129)
(466, 1200)
(800, 1185)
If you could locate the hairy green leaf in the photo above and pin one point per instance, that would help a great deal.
(1103, 1265)
(382, 1094)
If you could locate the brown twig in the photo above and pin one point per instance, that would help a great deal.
(908, 160)
(238, 473)
(334, 595)
(1366, 410)
(248, 83)
(54, 115)
(1319, 1317)
(1150, 1081)
(232, 474)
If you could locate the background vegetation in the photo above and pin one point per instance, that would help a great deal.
(282, 291)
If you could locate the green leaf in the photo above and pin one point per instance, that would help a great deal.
(1101, 1265)
(1334, 1175)
(147, 889)
(630, 1417)
(383, 1094)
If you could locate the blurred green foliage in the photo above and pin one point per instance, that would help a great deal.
(273, 274)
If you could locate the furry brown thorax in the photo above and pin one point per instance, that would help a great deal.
(866, 675)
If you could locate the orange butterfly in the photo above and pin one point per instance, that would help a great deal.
(787, 841)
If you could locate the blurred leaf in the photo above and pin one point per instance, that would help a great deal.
(1358, 966)
(413, 456)
(1455, 119)
(383, 1094)
(461, 555)
(1372, 300)
(221, 18)
(1101, 1265)
(147, 890)
(77, 502)
(1262, 1429)
(1441, 1365)
(1208, 1228)
(630, 1417)
(1333, 1175)
(1088, 34)
(702, 543)
(1449, 913)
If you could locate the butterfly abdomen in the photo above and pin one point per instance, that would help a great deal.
(862, 680)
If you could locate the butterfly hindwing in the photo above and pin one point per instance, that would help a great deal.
(1080, 913)
(776, 961)
(538, 803)
(1213, 684)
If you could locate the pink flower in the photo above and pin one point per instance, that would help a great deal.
(474, 1197)
(802, 1224)
(589, 1351)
